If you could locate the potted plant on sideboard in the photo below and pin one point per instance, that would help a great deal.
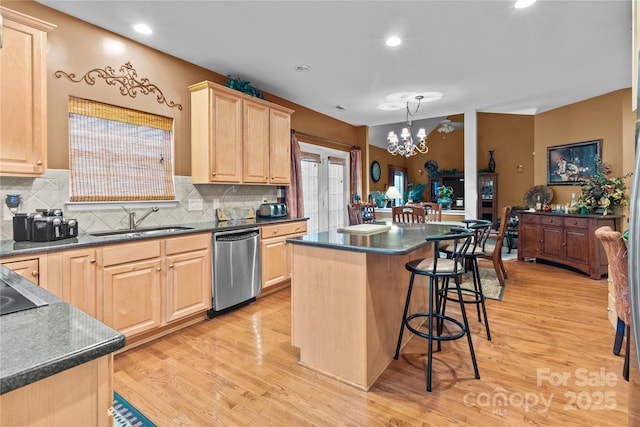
(445, 196)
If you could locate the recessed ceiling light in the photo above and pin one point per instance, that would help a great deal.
(393, 41)
(142, 28)
(303, 68)
(521, 4)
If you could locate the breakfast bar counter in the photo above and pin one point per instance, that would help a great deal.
(347, 295)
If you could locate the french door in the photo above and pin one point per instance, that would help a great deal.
(325, 187)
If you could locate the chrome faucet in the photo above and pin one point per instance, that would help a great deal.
(133, 222)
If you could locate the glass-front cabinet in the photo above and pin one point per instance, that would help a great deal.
(488, 197)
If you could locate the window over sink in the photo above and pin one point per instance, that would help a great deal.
(119, 154)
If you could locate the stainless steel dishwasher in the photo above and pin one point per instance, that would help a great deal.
(237, 272)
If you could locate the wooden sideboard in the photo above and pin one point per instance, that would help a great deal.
(565, 239)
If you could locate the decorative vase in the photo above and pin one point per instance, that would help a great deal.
(584, 210)
(13, 202)
(445, 202)
(492, 162)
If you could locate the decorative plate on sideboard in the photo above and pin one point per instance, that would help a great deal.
(531, 196)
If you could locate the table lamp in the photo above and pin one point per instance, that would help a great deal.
(393, 194)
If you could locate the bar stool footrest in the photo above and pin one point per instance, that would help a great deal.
(479, 297)
(449, 337)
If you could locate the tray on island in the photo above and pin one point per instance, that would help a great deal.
(364, 228)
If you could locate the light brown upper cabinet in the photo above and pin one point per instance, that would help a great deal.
(23, 98)
(236, 138)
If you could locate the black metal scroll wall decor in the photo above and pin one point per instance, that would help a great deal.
(128, 79)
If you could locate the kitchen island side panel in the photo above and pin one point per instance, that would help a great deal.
(347, 309)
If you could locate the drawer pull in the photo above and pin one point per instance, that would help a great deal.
(158, 268)
(92, 261)
(170, 265)
(34, 273)
(213, 174)
(39, 162)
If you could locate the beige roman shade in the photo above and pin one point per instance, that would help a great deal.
(119, 154)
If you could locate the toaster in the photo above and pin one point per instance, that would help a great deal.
(272, 210)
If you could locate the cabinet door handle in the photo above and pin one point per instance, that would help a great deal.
(92, 261)
(34, 273)
(158, 268)
(39, 162)
(213, 174)
(170, 265)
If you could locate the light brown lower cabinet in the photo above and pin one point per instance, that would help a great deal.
(188, 287)
(73, 276)
(133, 296)
(136, 287)
(276, 254)
(28, 267)
(152, 283)
(80, 396)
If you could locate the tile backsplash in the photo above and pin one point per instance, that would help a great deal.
(51, 190)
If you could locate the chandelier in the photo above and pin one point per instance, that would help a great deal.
(406, 146)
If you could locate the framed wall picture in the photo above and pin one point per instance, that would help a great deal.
(568, 164)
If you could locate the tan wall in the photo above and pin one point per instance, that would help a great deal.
(385, 159)
(607, 117)
(77, 47)
(511, 137)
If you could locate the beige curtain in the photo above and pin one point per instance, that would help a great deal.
(356, 173)
(295, 202)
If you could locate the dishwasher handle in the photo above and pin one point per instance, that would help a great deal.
(236, 236)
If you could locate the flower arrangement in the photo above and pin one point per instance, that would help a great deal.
(602, 192)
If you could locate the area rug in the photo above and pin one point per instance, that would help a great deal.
(490, 286)
(126, 415)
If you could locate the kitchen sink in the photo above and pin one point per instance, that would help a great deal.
(141, 231)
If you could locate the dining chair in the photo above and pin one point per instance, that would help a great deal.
(355, 213)
(408, 214)
(617, 255)
(361, 213)
(494, 253)
(433, 211)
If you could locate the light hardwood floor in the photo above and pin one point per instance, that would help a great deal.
(550, 363)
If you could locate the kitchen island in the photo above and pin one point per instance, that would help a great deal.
(347, 296)
(56, 362)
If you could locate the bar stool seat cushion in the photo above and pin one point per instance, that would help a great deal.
(444, 266)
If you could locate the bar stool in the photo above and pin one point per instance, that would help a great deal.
(481, 230)
(437, 268)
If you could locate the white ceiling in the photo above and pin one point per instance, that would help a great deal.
(482, 55)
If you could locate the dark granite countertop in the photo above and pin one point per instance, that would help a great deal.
(40, 342)
(11, 248)
(400, 239)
